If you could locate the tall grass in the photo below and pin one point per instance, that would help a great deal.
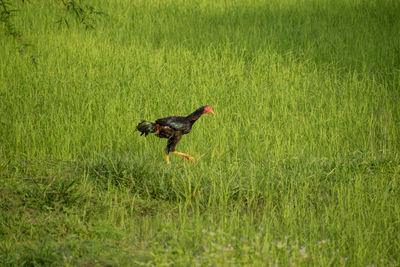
(300, 165)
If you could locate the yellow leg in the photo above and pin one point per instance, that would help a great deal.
(184, 155)
(167, 158)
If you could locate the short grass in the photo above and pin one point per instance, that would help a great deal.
(299, 166)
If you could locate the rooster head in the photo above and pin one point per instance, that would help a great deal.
(208, 109)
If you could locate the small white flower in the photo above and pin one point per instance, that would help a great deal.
(303, 252)
(280, 244)
(324, 241)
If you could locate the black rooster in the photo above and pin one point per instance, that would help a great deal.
(173, 128)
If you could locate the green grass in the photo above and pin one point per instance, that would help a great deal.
(300, 165)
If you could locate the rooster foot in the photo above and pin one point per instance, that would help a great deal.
(188, 157)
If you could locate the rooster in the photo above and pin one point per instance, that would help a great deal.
(173, 128)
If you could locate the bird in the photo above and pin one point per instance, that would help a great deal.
(173, 128)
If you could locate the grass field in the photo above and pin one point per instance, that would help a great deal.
(300, 165)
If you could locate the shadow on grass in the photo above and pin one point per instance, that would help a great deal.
(71, 252)
(140, 178)
(360, 36)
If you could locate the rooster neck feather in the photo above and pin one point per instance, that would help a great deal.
(195, 115)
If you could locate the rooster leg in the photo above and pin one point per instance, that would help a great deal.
(184, 155)
(167, 158)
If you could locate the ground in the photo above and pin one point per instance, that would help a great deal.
(299, 166)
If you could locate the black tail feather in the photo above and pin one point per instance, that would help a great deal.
(145, 127)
